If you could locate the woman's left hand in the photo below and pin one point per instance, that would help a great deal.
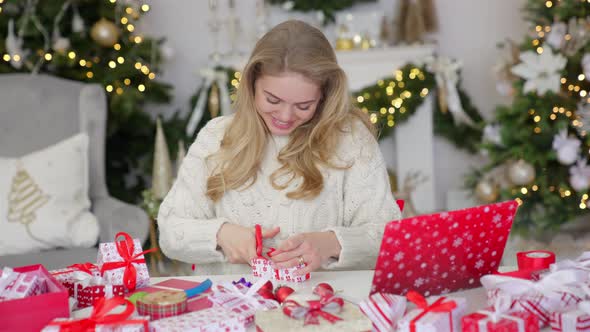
(313, 249)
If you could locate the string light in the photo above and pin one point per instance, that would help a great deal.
(124, 20)
(137, 39)
(537, 118)
(524, 190)
(141, 88)
(567, 36)
(129, 10)
(138, 65)
(563, 80)
(391, 110)
(424, 92)
(535, 42)
(127, 81)
(90, 74)
(360, 99)
(82, 62)
(537, 130)
(145, 8)
(112, 64)
(120, 60)
(581, 77)
(145, 69)
(535, 187)
(16, 57)
(553, 117)
(539, 50)
(519, 201)
(6, 57)
(117, 47)
(152, 76)
(109, 88)
(538, 28)
(549, 4)
(72, 55)
(130, 27)
(119, 91)
(48, 56)
(113, 1)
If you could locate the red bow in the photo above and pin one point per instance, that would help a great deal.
(126, 249)
(438, 306)
(84, 267)
(316, 308)
(99, 315)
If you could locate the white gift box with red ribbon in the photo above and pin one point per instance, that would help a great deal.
(384, 310)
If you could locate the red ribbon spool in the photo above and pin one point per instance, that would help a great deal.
(535, 259)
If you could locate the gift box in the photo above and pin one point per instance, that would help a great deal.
(24, 285)
(34, 312)
(241, 300)
(208, 320)
(574, 320)
(73, 273)
(103, 319)
(7, 279)
(437, 314)
(262, 267)
(123, 262)
(490, 321)
(195, 303)
(92, 289)
(383, 310)
(556, 292)
(313, 313)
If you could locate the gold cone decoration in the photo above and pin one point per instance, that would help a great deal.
(162, 168)
(180, 156)
(214, 100)
(25, 198)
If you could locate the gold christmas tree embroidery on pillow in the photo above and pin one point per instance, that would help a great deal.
(24, 199)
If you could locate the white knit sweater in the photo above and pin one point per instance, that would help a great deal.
(355, 203)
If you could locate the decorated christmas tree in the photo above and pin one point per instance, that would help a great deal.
(538, 146)
(94, 41)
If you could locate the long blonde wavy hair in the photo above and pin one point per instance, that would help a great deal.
(292, 46)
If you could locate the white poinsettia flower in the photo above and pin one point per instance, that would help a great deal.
(541, 71)
(557, 34)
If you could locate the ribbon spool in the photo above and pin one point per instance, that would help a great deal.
(535, 259)
(168, 303)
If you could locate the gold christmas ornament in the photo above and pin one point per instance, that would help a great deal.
(521, 173)
(486, 191)
(162, 167)
(105, 33)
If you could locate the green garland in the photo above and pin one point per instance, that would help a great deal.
(327, 7)
(395, 99)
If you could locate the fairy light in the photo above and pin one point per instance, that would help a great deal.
(538, 28)
(549, 4)
(535, 42)
(360, 99)
(112, 64)
(568, 114)
(567, 36)
(519, 201)
(109, 88)
(124, 20)
(383, 110)
(577, 88)
(555, 109)
(401, 84)
(582, 206)
(145, 70)
(113, 1)
(130, 28)
(537, 118)
(117, 47)
(539, 50)
(537, 130)
(583, 93)
(6, 57)
(137, 39)
(424, 92)
(548, 28)
(561, 110)
(581, 77)
(48, 56)
(389, 90)
(16, 57)
(570, 87)
(402, 110)
(120, 60)
(90, 74)
(151, 76)
(145, 8)
(391, 110)
(138, 65)
(524, 190)
(373, 118)
(552, 116)
(535, 187)
(82, 62)
(541, 34)
(119, 91)
(129, 10)
(141, 88)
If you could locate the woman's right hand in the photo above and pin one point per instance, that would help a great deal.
(239, 243)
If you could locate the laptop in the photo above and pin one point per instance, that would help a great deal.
(443, 252)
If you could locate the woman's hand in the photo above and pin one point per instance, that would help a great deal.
(314, 249)
(238, 243)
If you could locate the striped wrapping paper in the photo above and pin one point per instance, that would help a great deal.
(383, 310)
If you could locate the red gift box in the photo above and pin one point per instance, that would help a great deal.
(34, 312)
(87, 293)
(73, 273)
(489, 321)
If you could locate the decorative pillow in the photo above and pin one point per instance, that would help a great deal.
(44, 200)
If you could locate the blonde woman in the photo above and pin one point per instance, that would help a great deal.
(296, 158)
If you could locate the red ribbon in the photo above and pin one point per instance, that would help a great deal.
(316, 309)
(437, 306)
(82, 267)
(535, 260)
(258, 234)
(99, 315)
(126, 249)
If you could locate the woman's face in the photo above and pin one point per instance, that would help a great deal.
(286, 101)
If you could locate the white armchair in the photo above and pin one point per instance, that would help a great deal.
(37, 111)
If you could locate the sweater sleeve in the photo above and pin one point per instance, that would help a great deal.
(368, 204)
(186, 219)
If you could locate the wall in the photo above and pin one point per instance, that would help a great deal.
(469, 30)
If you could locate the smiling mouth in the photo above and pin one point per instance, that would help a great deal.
(280, 124)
